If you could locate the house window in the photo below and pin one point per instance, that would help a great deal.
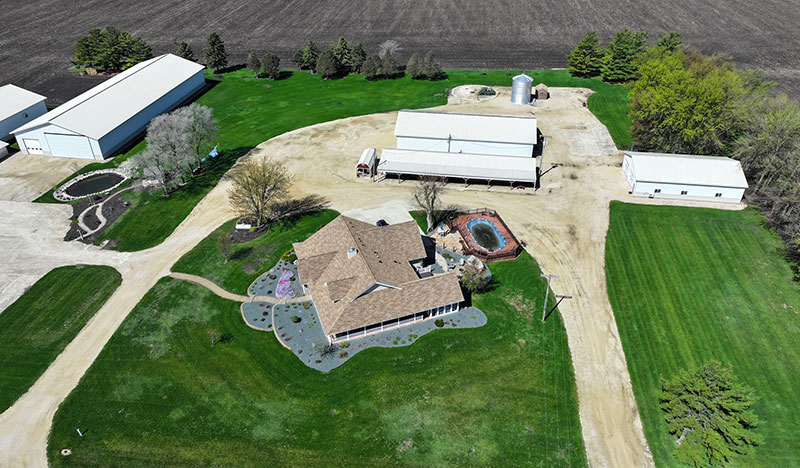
(718, 195)
(658, 190)
(684, 192)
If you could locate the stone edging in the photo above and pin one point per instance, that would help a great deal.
(61, 192)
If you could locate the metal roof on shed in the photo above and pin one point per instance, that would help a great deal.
(715, 171)
(458, 165)
(108, 105)
(14, 100)
(473, 127)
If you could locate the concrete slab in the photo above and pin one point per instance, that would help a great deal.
(25, 177)
(393, 212)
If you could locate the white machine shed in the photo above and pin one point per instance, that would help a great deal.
(107, 117)
(18, 106)
(458, 166)
(498, 135)
(709, 178)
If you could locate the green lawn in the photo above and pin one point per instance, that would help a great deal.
(421, 218)
(40, 324)
(689, 285)
(250, 259)
(253, 110)
(160, 395)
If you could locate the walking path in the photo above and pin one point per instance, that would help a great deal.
(564, 225)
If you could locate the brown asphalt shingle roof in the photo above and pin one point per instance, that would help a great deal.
(374, 284)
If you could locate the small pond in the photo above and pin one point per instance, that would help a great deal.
(486, 234)
(93, 184)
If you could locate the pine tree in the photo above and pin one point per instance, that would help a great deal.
(389, 66)
(416, 66)
(708, 412)
(619, 59)
(327, 65)
(358, 57)
(343, 54)
(184, 51)
(253, 63)
(271, 66)
(585, 59)
(214, 52)
(433, 69)
(306, 58)
(670, 42)
(372, 67)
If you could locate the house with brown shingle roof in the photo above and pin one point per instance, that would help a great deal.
(365, 279)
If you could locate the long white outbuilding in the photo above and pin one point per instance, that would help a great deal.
(104, 119)
(18, 106)
(684, 176)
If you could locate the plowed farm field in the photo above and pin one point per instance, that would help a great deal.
(39, 36)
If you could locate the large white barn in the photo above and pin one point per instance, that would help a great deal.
(17, 107)
(104, 119)
(704, 178)
(493, 148)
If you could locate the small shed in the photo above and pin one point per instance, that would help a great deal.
(542, 92)
(17, 107)
(684, 176)
(366, 165)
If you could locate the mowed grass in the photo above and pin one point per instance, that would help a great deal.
(160, 395)
(248, 260)
(40, 324)
(689, 285)
(251, 111)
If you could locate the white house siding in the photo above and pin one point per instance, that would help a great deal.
(40, 134)
(133, 127)
(19, 119)
(693, 192)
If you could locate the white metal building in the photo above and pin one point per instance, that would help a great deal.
(3, 149)
(501, 135)
(491, 168)
(705, 178)
(107, 117)
(17, 107)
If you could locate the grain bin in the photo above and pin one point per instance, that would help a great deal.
(521, 89)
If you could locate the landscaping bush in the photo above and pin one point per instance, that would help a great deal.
(295, 319)
(487, 91)
(439, 323)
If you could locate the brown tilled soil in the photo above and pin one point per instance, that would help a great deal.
(508, 34)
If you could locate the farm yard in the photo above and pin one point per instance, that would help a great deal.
(493, 35)
(688, 285)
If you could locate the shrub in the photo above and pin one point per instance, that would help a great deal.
(295, 319)
(439, 323)
(346, 344)
(487, 91)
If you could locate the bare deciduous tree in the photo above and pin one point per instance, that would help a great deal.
(200, 130)
(257, 184)
(389, 46)
(428, 195)
(224, 246)
(213, 335)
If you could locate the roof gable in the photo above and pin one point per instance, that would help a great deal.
(14, 100)
(688, 169)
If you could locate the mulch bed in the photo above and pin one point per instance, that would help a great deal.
(112, 210)
(240, 236)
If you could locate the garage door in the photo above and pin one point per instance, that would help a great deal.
(73, 146)
(33, 146)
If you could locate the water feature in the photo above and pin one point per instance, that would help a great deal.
(486, 234)
(94, 184)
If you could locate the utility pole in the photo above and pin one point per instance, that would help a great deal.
(546, 294)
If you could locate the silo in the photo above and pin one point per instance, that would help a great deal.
(521, 89)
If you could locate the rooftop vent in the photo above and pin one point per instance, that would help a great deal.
(351, 252)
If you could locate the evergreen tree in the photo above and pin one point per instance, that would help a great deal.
(343, 54)
(433, 69)
(389, 66)
(253, 63)
(271, 66)
(708, 412)
(372, 67)
(327, 65)
(586, 57)
(619, 59)
(214, 52)
(184, 51)
(670, 42)
(358, 57)
(111, 49)
(416, 66)
(306, 58)
(297, 59)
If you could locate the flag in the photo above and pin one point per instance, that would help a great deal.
(214, 153)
